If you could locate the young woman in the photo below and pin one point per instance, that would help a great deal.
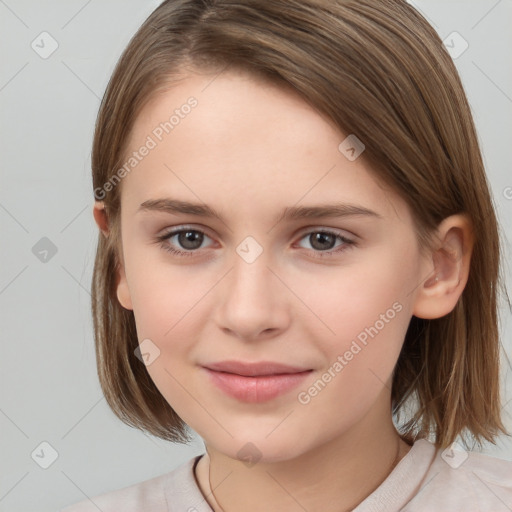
(299, 259)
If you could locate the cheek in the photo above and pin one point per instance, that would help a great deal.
(169, 318)
(359, 358)
(165, 296)
(349, 300)
(168, 305)
(365, 313)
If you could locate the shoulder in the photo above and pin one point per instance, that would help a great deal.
(149, 495)
(461, 480)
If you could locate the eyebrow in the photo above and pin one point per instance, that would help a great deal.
(175, 206)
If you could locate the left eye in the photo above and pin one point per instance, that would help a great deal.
(324, 241)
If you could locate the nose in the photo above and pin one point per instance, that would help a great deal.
(252, 301)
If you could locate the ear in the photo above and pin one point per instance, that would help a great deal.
(123, 292)
(447, 267)
(100, 216)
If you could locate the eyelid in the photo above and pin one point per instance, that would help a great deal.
(336, 231)
(183, 227)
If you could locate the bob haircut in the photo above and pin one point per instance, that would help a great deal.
(378, 70)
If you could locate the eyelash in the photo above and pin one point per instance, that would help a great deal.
(348, 244)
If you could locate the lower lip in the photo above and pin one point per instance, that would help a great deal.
(256, 389)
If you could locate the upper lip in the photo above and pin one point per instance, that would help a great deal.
(254, 369)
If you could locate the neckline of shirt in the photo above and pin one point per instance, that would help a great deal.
(395, 491)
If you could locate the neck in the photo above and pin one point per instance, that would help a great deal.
(333, 477)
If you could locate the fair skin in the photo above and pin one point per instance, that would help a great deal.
(249, 150)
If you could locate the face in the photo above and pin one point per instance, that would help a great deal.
(329, 296)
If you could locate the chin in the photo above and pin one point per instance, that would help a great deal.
(258, 447)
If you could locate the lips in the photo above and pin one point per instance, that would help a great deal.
(255, 382)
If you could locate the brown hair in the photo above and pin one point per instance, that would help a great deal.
(378, 70)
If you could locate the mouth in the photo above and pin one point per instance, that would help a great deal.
(255, 382)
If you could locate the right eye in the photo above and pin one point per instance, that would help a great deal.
(187, 240)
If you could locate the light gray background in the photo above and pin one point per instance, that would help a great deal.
(49, 387)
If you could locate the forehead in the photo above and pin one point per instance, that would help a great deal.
(234, 137)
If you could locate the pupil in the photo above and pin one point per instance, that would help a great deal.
(322, 238)
(188, 239)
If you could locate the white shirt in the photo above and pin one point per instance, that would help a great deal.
(425, 480)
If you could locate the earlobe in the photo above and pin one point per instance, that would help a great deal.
(123, 292)
(439, 293)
